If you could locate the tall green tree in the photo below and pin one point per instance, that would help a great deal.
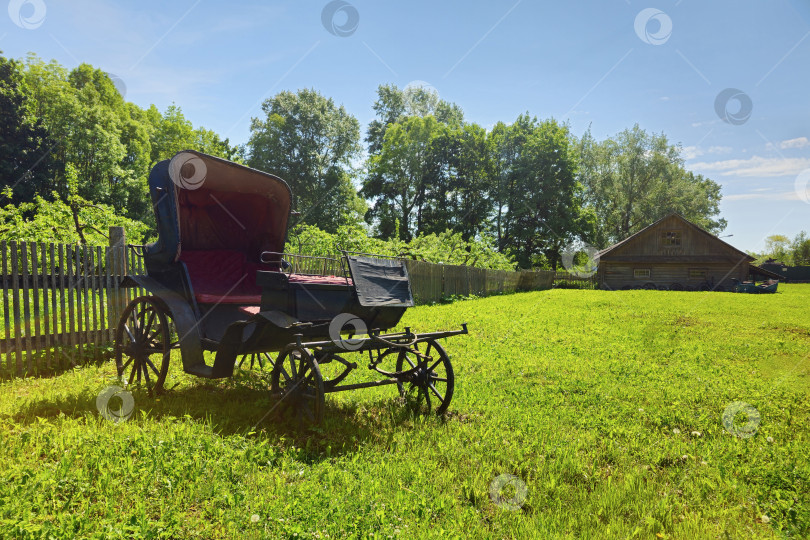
(457, 189)
(801, 249)
(398, 175)
(394, 104)
(25, 148)
(544, 212)
(633, 179)
(311, 143)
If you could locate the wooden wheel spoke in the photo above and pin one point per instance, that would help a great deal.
(124, 367)
(147, 327)
(146, 378)
(408, 359)
(436, 392)
(436, 363)
(153, 367)
(440, 379)
(131, 335)
(139, 323)
(132, 373)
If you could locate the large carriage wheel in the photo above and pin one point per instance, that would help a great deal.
(143, 344)
(433, 381)
(297, 384)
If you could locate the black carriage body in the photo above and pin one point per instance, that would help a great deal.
(216, 219)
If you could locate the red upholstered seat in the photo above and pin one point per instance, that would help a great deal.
(226, 277)
(223, 276)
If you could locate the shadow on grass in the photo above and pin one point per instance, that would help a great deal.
(50, 363)
(243, 406)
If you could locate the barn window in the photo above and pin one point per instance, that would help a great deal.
(671, 239)
(640, 273)
(695, 273)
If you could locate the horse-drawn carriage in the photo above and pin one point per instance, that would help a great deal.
(218, 281)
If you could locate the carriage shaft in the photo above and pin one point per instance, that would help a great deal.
(372, 384)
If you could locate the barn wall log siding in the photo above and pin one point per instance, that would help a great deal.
(61, 303)
(695, 251)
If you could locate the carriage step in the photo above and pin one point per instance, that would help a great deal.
(202, 370)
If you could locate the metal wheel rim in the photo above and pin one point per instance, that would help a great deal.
(142, 340)
(434, 388)
(297, 383)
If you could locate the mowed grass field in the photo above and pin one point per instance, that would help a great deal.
(608, 406)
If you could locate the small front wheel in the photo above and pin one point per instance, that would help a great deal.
(143, 344)
(297, 386)
(429, 379)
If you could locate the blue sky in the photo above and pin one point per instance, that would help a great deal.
(607, 64)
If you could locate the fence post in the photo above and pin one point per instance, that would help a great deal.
(118, 269)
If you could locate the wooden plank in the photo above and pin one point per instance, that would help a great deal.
(85, 282)
(109, 305)
(35, 293)
(69, 264)
(94, 287)
(47, 276)
(26, 307)
(6, 369)
(63, 316)
(15, 299)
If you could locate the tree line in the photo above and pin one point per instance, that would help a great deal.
(528, 188)
(781, 249)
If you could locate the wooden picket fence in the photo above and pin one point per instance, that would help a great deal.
(61, 302)
(434, 282)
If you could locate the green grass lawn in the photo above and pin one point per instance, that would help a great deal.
(608, 406)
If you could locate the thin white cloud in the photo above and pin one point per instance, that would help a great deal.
(755, 166)
(784, 196)
(691, 152)
(800, 142)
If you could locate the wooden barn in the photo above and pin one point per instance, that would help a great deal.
(674, 253)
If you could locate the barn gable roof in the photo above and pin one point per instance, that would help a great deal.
(688, 223)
